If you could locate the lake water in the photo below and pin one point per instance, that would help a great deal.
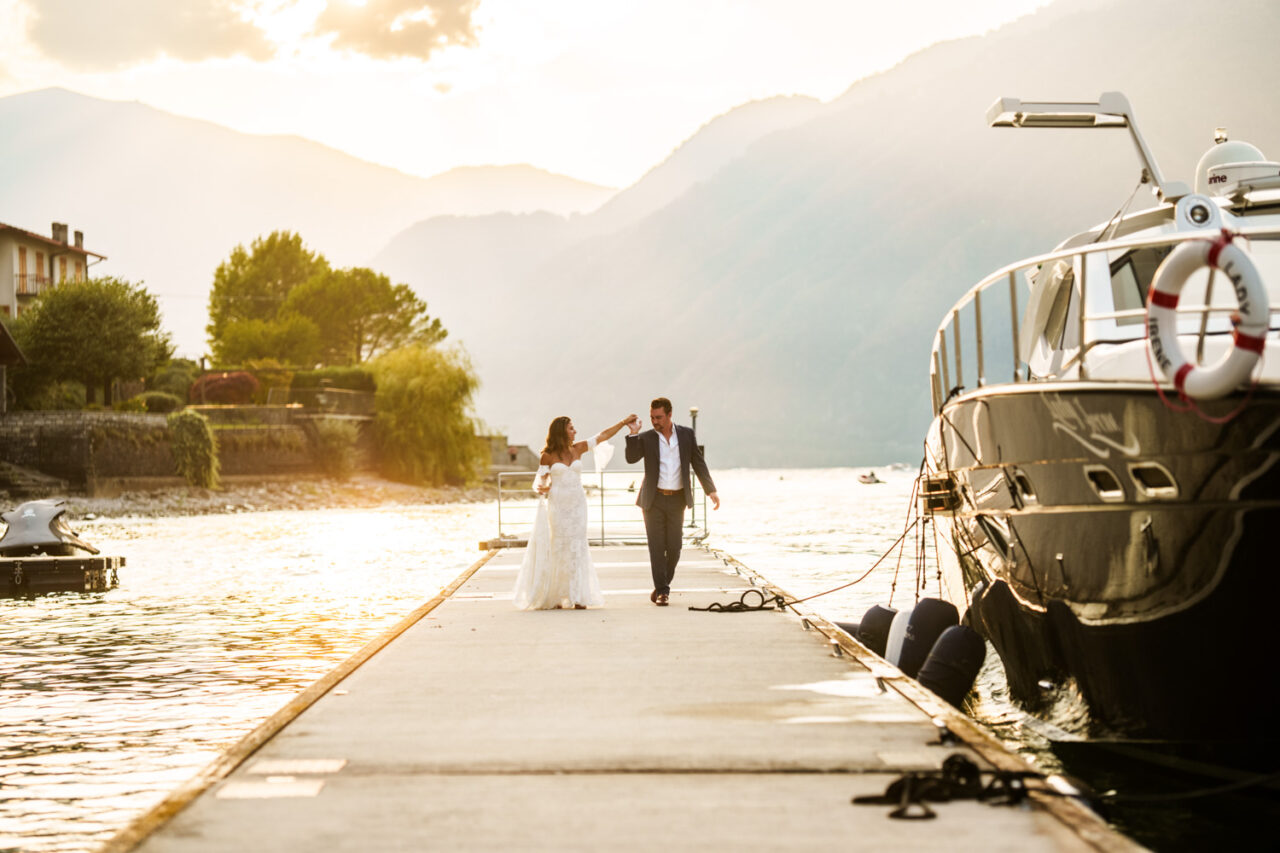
(109, 700)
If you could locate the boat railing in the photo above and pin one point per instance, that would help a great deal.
(612, 514)
(954, 357)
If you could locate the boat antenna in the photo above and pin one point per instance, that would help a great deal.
(1107, 230)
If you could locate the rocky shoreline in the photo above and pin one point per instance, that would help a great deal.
(293, 494)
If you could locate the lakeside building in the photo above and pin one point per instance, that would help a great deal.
(30, 263)
(504, 456)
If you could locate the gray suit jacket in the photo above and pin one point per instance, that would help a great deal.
(645, 446)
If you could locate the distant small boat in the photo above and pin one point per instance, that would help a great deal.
(869, 478)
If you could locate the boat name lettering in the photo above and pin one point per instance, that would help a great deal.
(1217, 179)
(1071, 413)
(1157, 347)
(1237, 283)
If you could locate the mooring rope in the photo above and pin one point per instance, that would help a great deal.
(1261, 779)
(741, 606)
(912, 516)
(767, 602)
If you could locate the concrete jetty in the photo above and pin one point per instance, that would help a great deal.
(475, 726)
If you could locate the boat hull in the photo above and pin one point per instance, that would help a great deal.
(34, 575)
(1105, 543)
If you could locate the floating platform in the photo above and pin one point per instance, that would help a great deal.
(474, 726)
(29, 575)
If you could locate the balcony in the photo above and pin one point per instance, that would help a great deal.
(32, 284)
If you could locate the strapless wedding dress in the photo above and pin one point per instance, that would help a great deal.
(557, 569)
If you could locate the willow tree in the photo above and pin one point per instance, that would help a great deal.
(423, 426)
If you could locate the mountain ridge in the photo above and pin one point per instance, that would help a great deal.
(810, 273)
(168, 197)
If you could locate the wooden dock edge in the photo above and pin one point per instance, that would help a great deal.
(151, 820)
(1083, 821)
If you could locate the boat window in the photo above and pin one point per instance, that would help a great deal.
(1104, 482)
(1056, 323)
(1025, 490)
(1125, 292)
(1131, 276)
(1153, 480)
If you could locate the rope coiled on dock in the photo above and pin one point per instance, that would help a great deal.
(767, 602)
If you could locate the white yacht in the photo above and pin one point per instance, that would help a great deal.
(1101, 469)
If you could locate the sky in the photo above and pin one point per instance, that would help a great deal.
(600, 90)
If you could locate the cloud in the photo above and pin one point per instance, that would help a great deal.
(106, 35)
(386, 29)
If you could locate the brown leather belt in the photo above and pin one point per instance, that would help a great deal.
(671, 491)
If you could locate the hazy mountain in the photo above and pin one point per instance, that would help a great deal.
(716, 144)
(792, 293)
(166, 198)
(469, 267)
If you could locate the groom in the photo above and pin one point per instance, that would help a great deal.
(668, 451)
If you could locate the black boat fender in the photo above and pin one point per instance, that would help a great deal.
(929, 618)
(953, 663)
(873, 630)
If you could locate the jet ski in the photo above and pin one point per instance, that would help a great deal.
(37, 528)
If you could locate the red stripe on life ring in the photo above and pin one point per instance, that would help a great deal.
(1224, 240)
(1181, 378)
(1248, 342)
(1162, 300)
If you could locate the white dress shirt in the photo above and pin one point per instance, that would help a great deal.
(669, 461)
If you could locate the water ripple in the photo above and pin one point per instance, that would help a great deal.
(109, 700)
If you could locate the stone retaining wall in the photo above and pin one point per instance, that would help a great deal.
(102, 452)
(249, 415)
(264, 450)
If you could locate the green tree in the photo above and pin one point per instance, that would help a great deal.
(423, 427)
(292, 339)
(361, 314)
(93, 332)
(174, 377)
(253, 284)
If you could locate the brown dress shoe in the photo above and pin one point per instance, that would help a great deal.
(653, 596)
(662, 600)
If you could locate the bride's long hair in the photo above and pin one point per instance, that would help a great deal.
(558, 437)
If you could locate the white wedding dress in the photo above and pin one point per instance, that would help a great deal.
(557, 569)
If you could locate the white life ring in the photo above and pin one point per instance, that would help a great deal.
(1248, 337)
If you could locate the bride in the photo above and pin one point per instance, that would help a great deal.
(557, 570)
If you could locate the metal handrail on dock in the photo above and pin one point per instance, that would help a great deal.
(612, 514)
(1089, 325)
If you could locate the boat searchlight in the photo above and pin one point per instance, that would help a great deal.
(1111, 110)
